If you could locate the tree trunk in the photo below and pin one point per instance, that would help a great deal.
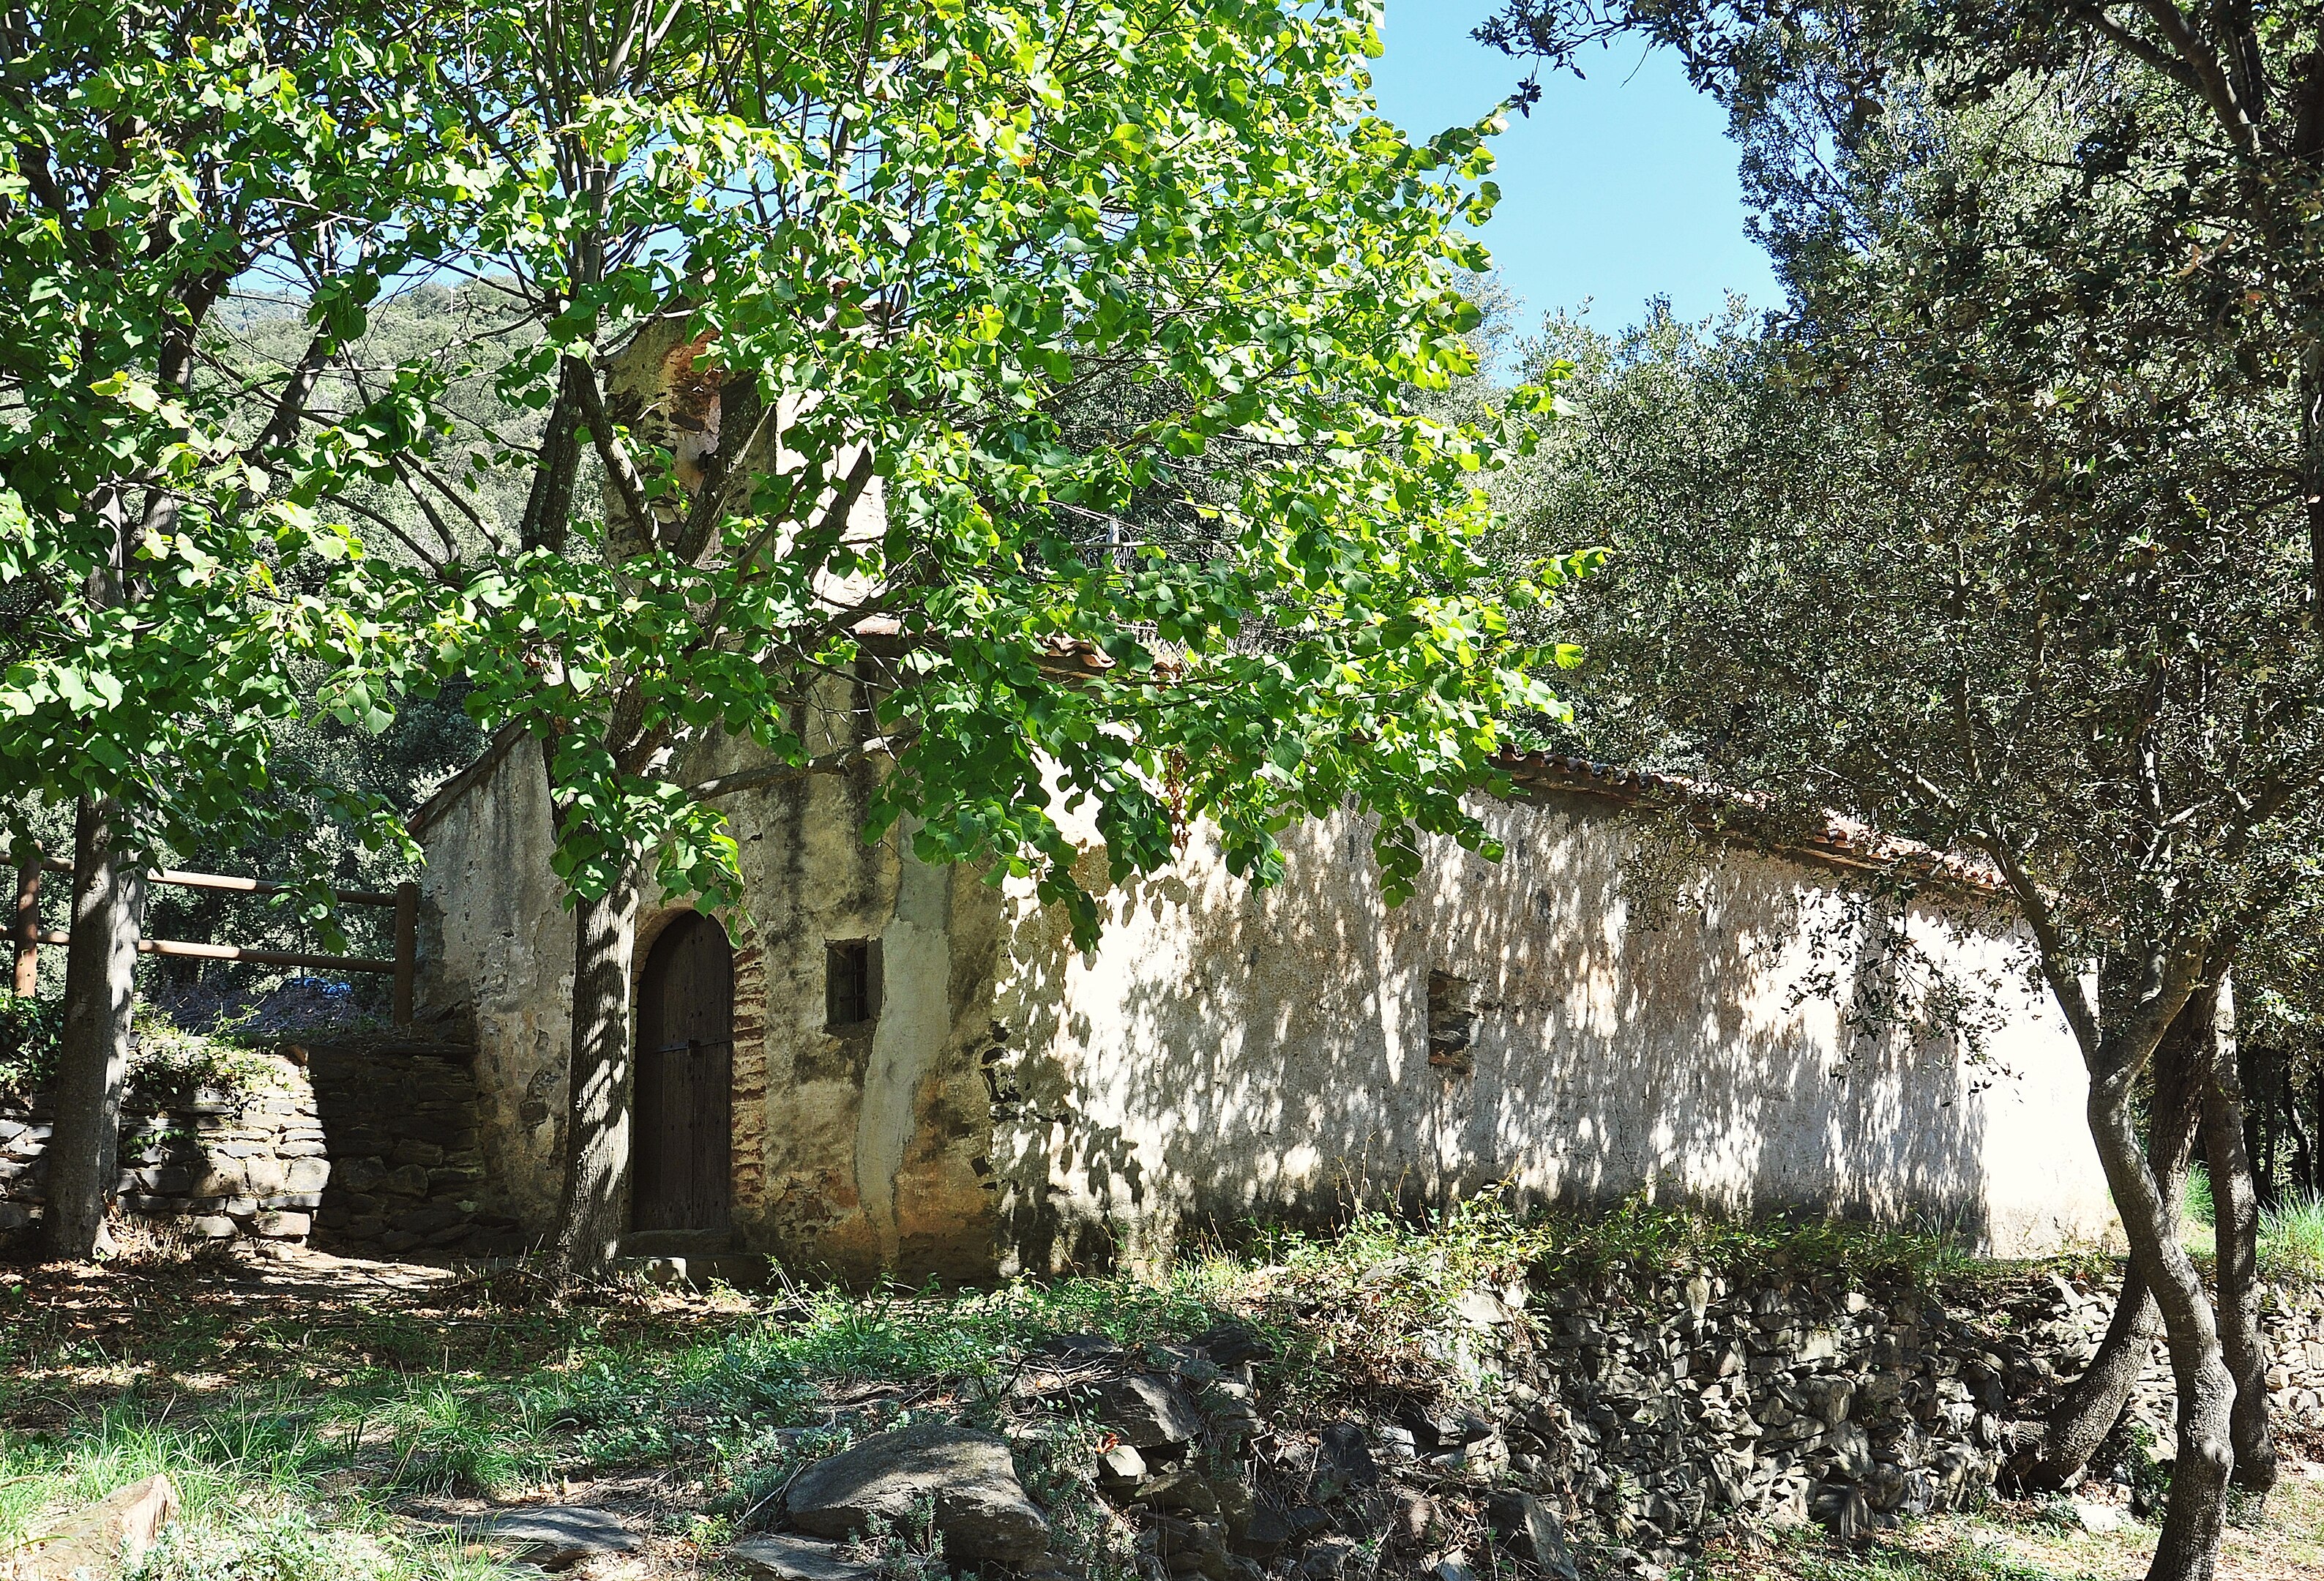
(600, 1068)
(2259, 1080)
(548, 505)
(598, 1082)
(2236, 1217)
(2189, 1542)
(2312, 470)
(109, 910)
(2316, 1181)
(2095, 1401)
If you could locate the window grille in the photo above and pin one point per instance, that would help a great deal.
(851, 982)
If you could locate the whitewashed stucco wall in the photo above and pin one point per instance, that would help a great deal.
(1226, 1054)
(496, 941)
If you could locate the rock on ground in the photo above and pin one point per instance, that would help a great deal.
(2096, 1518)
(553, 1536)
(1346, 1457)
(981, 1508)
(1532, 1531)
(101, 1541)
(1121, 1465)
(780, 1556)
(1145, 1413)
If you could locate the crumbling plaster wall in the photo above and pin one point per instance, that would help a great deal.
(861, 1150)
(496, 940)
(1225, 1054)
(855, 1152)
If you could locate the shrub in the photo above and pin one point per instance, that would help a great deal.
(277, 1545)
(167, 1064)
(28, 1044)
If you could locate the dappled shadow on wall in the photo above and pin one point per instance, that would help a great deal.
(1228, 1055)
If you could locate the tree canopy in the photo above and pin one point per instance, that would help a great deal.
(1012, 334)
(1057, 371)
(1998, 535)
(175, 584)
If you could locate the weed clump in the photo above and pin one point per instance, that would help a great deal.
(2292, 1240)
(278, 1544)
(168, 1065)
(908, 1551)
(1423, 1262)
(1371, 1311)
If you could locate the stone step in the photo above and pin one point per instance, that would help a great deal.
(743, 1269)
(680, 1243)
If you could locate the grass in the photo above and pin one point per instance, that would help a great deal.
(2291, 1241)
(295, 1433)
(302, 1413)
(2030, 1542)
(2199, 1216)
(1482, 1238)
(255, 1479)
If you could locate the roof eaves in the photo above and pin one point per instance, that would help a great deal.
(1736, 814)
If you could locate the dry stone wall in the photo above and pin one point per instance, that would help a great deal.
(212, 1163)
(1609, 1427)
(369, 1143)
(1653, 1413)
(407, 1171)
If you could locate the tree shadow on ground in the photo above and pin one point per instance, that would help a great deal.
(164, 1322)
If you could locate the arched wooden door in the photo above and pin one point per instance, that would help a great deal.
(686, 1053)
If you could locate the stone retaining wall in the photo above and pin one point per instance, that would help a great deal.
(212, 1164)
(2294, 1318)
(407, 1173)
(1659, 1411)
(369, 1142)
(1608, 1428)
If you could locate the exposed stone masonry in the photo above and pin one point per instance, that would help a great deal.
(401, 1120)
(1658, 1412)
(748, 1083)
(1623, 1422)
(214, 1164)
(367, 1141)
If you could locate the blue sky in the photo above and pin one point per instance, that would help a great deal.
(1618, 189)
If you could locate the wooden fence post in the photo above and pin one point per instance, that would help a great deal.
(406, 949)
(26, 932)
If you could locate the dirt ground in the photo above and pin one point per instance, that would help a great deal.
(439, 1356)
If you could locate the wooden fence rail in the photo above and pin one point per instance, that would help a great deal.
(404, 898)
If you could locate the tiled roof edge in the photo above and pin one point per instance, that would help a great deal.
(1737, 814)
